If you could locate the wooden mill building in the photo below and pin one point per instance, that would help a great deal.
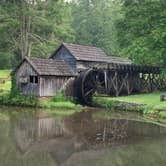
(81, 57)
(44, 77)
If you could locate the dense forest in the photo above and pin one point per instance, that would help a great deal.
(129, 28)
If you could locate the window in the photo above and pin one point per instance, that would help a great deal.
(36, 79)
(33, 79)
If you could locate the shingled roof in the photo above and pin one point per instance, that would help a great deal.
(89, 53)
(51, 67)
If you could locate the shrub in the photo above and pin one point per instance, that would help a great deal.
(16, 98)
(14, 90)
(59, 97)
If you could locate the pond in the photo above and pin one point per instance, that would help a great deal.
(89, 138)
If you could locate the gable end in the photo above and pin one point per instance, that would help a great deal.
(62, 53)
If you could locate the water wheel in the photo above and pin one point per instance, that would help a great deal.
(87, 84)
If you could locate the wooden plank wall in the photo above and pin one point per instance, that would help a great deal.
(64, 54)
(50, 85)
(25, 71)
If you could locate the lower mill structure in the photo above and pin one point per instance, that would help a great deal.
(84, 71)
(116, 80)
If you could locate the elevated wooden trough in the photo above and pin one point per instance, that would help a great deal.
(116, 80)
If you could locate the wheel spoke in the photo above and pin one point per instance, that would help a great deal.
(89, 92)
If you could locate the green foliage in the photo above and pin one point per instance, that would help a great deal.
(162, 114)
(58, 104)
(130, 28)
(5, 61)
(59, 100)
(59, 97)
(14, 90)
(104, 103)
(94, 23)
(164, 72)
(142, 31)
(16, 98)
(32, 28)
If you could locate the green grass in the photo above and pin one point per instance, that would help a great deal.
(151, 99)
(6, 86)
(63, 104)
(152, 103)
(162, 114)
(5, 73)
(59, 100)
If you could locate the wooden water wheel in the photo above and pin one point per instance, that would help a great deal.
(87, 84)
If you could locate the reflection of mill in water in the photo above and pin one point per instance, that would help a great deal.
(80, 132)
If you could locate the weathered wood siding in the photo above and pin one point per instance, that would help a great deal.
(64, 54)
(24, 71)
(50, 85)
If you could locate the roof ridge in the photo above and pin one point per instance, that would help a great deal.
(64, 43)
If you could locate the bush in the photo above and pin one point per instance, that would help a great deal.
(16, 98)
(59, 97)
(14, 92)
(4, 99)
(108, 105)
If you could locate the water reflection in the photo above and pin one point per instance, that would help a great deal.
(77, 136)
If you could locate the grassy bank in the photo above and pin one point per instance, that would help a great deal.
(5, 83)
(32, 101)
(148, 104)
(58, 104)
(4, 73)
(58, 101)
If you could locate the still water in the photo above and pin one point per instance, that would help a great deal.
(88, 138)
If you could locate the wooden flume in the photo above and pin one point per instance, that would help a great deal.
(116, 80)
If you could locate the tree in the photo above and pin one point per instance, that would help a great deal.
(34, 27)
(142, 31)
(94, 23)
